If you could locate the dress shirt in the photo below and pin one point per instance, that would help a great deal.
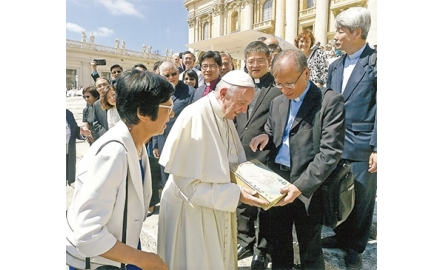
(210, 86)
(349, 65)
(283, 155)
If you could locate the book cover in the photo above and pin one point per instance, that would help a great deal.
(257, 176)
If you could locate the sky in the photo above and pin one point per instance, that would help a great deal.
(159, 23)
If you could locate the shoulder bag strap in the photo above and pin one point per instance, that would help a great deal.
(317, 123)
(125, 210)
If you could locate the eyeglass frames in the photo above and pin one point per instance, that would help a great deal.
(289, 85)
(170, 107)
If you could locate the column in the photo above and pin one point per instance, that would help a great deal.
(321, 21)
(292, 20)
(372, 38)
(247, 15)
(279, 29)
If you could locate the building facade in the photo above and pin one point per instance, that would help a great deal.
(209, 19)
(79, 55)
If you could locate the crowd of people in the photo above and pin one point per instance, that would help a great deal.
(171, 134)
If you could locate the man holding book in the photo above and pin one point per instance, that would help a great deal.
(289, 133)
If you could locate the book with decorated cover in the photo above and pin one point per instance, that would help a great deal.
(257, 176)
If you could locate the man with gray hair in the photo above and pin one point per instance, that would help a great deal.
(289, 134)
(197, 219)
(354, 75)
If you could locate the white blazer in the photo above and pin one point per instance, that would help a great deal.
(95, 216)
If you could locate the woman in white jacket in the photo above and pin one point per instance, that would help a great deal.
(95, 216)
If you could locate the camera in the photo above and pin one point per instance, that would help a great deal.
(100, 62)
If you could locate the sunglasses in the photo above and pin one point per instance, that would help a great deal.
(170, 75)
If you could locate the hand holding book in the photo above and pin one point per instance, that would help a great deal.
(291, 193)
(251, 197)
(268, 184)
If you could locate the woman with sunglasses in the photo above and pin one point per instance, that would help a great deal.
(182, 97)
(90, 95)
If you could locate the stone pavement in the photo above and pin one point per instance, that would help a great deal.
(334, 258)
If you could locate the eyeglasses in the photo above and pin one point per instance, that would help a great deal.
(170, 75)
(170, 107)
(289, 85)
(117, 71)
(86, 97)
(212, 66)
(260, 61)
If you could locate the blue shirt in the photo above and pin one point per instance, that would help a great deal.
(283, 155)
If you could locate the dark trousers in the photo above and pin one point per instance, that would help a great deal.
(251, 229)
(354, 232)
(308, 231)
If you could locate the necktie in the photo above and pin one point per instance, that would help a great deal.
(207, 90)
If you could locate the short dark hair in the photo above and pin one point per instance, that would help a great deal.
(92, 90)
(114, 66)
(262, 39)
(256, 47)
(157, 65)
(274, 48)
(211, 54)
(141, 66)
(188, 52)
(143, 91)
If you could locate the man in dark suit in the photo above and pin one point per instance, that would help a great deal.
(354, 75)
(100, 123)
(289, 130)
(248, 125)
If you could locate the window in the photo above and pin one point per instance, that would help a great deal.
(310, 3)
(206, 31)
(71, 78)
(267, 10)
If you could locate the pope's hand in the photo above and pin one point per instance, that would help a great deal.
(251, 197)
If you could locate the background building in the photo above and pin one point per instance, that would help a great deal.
(79, 55)
(229, 25)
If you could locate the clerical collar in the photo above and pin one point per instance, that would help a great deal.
(302, 96)
(258, 81)
(213, 83)
(357, 54)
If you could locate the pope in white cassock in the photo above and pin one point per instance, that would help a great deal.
(197, 219)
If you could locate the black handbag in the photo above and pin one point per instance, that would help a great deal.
(337, 192)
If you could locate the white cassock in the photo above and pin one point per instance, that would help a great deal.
(197, 219)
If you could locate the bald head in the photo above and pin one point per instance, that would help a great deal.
(271, 40)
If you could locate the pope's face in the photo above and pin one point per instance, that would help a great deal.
(237, 103)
